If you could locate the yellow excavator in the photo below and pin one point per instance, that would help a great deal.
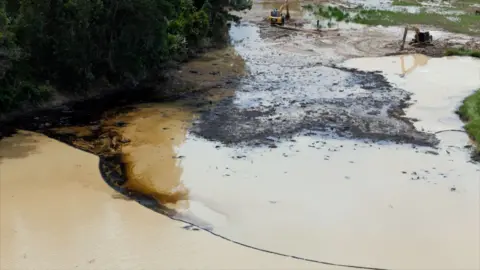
(421, 38)
(276, 16)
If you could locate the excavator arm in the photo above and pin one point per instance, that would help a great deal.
(412, 28)
(282, 7)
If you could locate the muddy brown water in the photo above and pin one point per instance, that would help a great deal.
(382, 205)
(258, 166)
(60, 214)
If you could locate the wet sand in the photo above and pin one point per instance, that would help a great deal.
(57, 213)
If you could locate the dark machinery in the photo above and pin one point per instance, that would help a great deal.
(420, 39)
(277, 17)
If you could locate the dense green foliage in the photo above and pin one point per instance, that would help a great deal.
(470, 113)
(69, 45)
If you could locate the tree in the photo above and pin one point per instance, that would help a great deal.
(68, 45)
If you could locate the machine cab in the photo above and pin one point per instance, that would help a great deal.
(274, 13)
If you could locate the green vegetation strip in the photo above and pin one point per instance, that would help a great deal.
(464, 23)
(405, 3)
(463, 52)
(470, 113)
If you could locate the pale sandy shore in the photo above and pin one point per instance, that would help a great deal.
(57, 213)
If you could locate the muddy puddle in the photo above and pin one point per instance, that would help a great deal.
(309, 157)
(429, 79)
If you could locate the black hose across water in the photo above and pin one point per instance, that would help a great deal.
(274, 252)
(116, 179)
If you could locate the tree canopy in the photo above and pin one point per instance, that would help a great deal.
(68, 45)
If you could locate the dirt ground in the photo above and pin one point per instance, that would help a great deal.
(353, 40)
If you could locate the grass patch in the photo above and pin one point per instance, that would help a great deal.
(465, 23)
(470, 113)
(334, 13)
(465, 5)
(463, 52)
(405, 3)
(331, 13)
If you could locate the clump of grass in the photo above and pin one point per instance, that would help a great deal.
(470, 113)
(466, 23)
(405, 3)
(333, 14)
(462, 52)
